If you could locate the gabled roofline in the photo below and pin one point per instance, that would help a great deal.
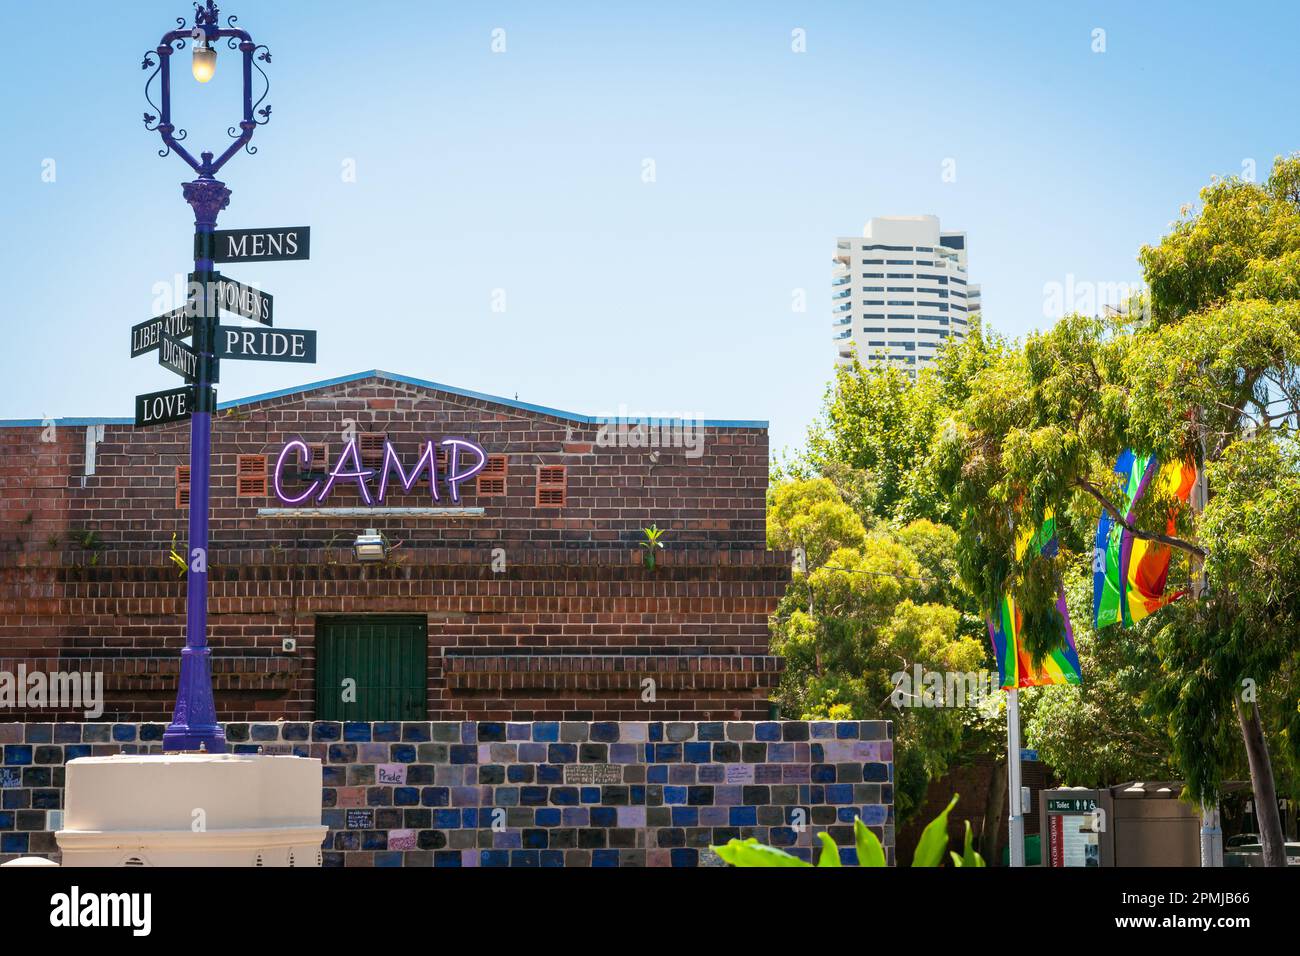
(394, 377)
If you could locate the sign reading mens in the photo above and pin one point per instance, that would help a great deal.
(267, 345)
(276, 244)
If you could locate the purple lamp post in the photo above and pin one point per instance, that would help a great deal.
(194, 720)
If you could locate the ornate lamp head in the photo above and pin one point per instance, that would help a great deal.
(204, 33)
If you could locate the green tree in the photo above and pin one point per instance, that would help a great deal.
(1206, 369)
(863, 505)
(874, 438)
(867, 606)
(810, 516)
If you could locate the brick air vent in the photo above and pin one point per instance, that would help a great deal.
(492, 479)
(552, 486)
(250, 476)
(182, 486)
(320, 458)
(371, 446)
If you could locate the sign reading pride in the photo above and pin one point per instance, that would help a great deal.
(465, 459)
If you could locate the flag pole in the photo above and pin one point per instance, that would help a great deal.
(1211, 827)
(1016, 822)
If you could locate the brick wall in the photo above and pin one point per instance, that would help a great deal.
(627, 793)
(972, 780)
(86, 581)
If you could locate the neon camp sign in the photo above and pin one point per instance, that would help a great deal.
(465, 459)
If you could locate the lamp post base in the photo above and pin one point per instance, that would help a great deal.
(194, 721)
(179, 738)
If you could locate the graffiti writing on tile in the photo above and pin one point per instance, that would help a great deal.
(361, 819)
(592, 773)
(740, 773)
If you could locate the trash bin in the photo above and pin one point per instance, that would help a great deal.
(1033, 851)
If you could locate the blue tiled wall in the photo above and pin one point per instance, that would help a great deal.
(522, 794)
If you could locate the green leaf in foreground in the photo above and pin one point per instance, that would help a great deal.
(752, 853)
(870, 852)
(830, 852)
(934, 840)
(968, 855)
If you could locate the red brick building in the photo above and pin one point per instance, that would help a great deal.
(527, 598)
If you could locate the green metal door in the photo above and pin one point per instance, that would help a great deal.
(371, 668)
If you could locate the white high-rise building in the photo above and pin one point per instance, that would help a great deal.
(900, 291)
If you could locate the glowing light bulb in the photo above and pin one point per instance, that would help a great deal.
(204, 63)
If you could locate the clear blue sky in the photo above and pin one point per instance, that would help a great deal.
(522, 171)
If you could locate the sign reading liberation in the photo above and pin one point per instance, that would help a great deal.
(178, 323)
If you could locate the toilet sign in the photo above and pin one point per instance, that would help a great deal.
(273, 244)
(243, 300)
(266, 345)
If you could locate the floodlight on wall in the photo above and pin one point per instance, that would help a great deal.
(371, 546)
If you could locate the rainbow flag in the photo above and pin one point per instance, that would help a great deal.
(1129, 574)
(1015, 665)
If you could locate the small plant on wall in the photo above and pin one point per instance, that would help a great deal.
(177, 558)
(929, 851)
(87, 539)
(652, 543)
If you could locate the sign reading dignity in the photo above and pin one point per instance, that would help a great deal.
(179, 357)
(350, 468)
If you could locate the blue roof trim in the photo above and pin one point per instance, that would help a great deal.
(406, 380)
(65, 422)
